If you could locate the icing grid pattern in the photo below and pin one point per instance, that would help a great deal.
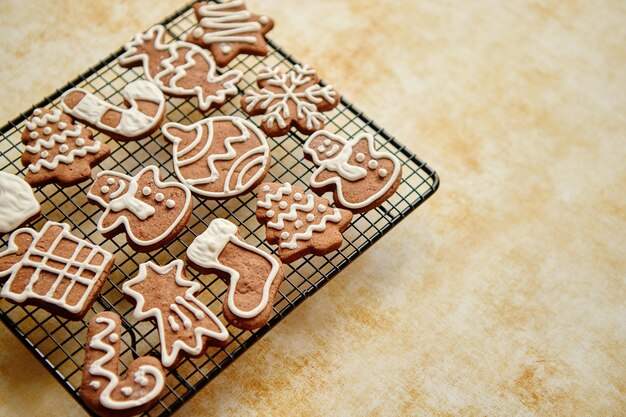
(302, 279)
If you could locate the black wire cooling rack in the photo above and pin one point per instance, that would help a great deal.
(59, 343)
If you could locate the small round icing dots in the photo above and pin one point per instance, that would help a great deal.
(159, 197)
(264, 20)
(297, 196)
(321, 208)
(226, 49)
(360, 157)
(37, 112)
(113, 337)
(382, 172)
(47, 130)
(33, 135)
(127, 391)
(298, 224)
(44, 154)
(63, 148)
(310, 217)
(284, 235)
(197, 32)
(266, 188)
(326, 142)
(283, 205)
(170, 203)
(62, 125)
(80, 141)
(104, 189)
(110, 181)
(321, 149)
(146, 191)
(270, 213)
(372, 164)
(94, 384)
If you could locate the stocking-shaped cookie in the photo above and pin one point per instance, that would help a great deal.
(144, 115)
(360, 176)
(300, 223)
(151, 212)
(253, 275)
(186, 326)
(57, 151)
(228, 29)
(180, 69)
(101, 389)
(54, 270)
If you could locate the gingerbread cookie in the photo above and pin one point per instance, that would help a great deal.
(186, 326)
(102, 390)
(219, 157)
(229, 29)
(151, 212)
(180, 69)
(144, 115)
(292, 99)
(253, 275)
(300, 223)
(18, 205)
(54, 270)
(361, 177)
(57, 151)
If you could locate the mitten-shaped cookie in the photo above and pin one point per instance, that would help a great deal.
(229, 29)
(54, 270)
(57, 151)
(18, 205)
(300, 223)
(151, 212)
(253, 275)
(293, 99)
(102, 390)
(361, 177)
(186, 326)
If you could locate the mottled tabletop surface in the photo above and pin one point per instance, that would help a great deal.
(502, 295)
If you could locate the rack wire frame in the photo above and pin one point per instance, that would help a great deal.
(59, 344)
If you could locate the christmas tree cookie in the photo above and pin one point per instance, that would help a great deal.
(300, 223)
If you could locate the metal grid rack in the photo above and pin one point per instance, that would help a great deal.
(59, 343)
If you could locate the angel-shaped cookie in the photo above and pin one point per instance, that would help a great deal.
(151, 212)
(361, 177)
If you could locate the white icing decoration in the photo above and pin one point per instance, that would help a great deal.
(305, 101)
(230, 25)
(37, 112)
(33, 135)
(44, 154)
(321, 149)
(345, 171)
(62, 125)
(159, 197)
(264, 20)
(266, 188)
(97, 369)
(321, 208)
(47, 130)
(226, 49)
(146, 191)
(63, 148)
(298, 224)
(270, 213)
(206, 249)
(169, 354)
(333, 150)
(113, 337)
(127, 391)
(172, 70)
(80, 141)
(105, 189)
(310, 217)
(94, 385)
(236, 169)
(110, 181)
(38, 260)
(17, 202)
(137, 207)
(283, 205)
(326, 142)
(308, 233)
(55, 139)
(170, 203)
(133, 123)
(296, 196)
(284, 235)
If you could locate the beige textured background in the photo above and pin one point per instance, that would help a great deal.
(504, 294)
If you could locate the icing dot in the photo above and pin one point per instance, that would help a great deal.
(110, 181)
(321, 208)
(297, 196)
(298, 224)
(63, 148)
(264, 20)
(284, 235)
(372, 164)
(197, 32)
(113, 338)
(37, 112)
(44, 154)
(170, 204)
(80, 141)
(94, 384)
(270, 213)
(127, 391)
(283, 205)
(33, 135)
(146, 191)
(360, 157)
(62, 125)
(159, 197)
(266, 188)
(47, 130)
(327, 142)
(104, 189)
(321, 149)
(226, 49)
(310, 217)
(382, 172)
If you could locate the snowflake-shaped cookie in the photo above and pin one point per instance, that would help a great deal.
(292, 99)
